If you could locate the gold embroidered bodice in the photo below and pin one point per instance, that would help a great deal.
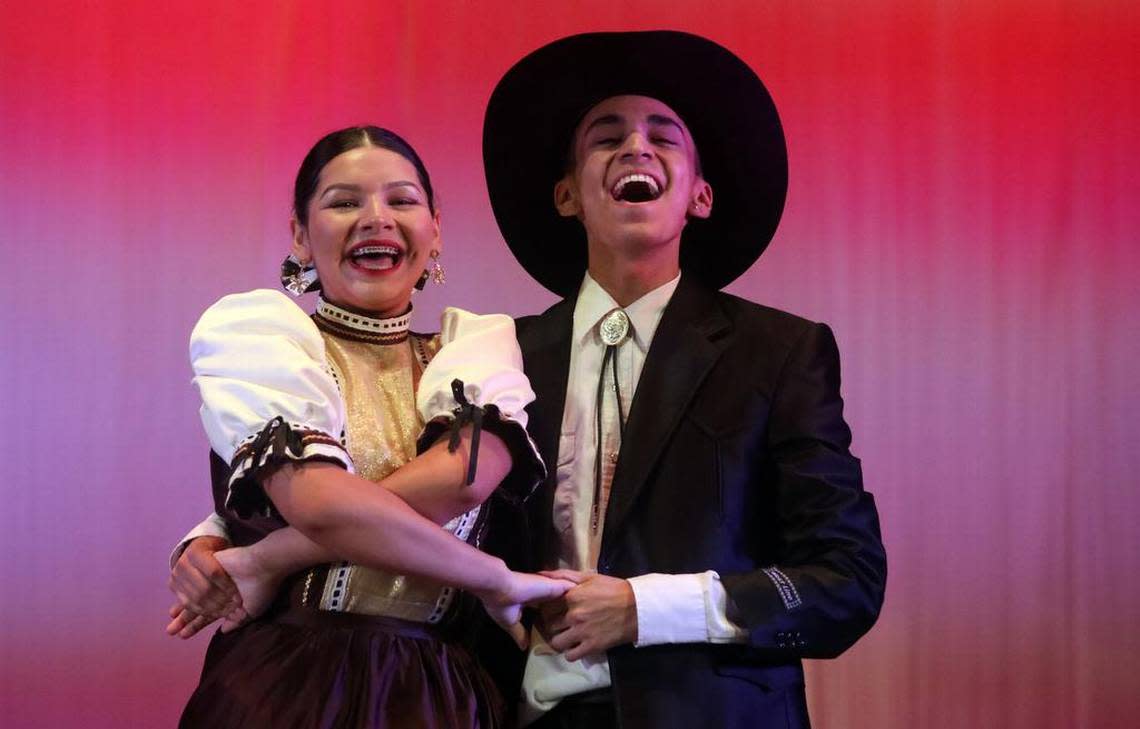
(376, 364)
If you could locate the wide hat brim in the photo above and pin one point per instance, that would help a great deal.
(536, 106)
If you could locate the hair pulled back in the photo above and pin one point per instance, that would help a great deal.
(342, 140)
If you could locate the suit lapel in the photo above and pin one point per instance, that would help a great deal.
(545, 343)
(686, 345)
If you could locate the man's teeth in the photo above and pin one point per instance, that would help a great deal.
(653, 188)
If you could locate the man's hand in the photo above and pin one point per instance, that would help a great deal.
(599, 613)
(204, 591)
(521, 589)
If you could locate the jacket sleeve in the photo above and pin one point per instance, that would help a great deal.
(826, 588)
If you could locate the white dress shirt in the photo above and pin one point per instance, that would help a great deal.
(670, 608)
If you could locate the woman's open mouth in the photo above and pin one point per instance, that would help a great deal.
(376, 257)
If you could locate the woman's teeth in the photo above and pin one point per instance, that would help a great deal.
(376, 257)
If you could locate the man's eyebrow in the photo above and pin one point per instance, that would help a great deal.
(662, 120)
(657, 120)
(602, 120)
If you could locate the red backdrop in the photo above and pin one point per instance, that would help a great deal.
(963, 210)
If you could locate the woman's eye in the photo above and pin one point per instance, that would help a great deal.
(663, 140)
(606, 141)
(342, 204)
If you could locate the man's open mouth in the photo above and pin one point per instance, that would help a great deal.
(376, 257)
(636, 188)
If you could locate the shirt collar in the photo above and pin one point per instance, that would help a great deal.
(644, 314)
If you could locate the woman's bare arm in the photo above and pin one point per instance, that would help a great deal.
(433, 484)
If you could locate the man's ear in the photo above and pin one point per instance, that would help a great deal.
(566, 198)
(300, 248)
(700, 205)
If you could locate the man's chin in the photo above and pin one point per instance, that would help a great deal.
(638, 239)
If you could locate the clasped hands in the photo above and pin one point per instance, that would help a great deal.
(598, 613)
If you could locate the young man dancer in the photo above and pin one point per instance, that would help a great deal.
(701, 489)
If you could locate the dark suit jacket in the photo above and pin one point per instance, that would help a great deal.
(735, 458)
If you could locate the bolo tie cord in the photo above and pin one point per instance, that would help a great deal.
(610, 358)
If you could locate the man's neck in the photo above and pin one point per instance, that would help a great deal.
(626, 279)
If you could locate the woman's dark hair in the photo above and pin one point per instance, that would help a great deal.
(341, 141)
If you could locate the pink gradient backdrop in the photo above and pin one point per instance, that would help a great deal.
(963, 210)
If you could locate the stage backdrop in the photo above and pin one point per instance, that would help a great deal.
(963, 212)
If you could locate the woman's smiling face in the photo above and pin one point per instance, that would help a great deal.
(370, 231)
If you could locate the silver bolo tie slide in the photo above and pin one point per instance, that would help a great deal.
(613, 330)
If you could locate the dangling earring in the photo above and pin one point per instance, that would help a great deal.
(298, 278)
(437, 275)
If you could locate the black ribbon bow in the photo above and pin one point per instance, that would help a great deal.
(464, 414)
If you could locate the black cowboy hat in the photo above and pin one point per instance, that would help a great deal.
(536, 106)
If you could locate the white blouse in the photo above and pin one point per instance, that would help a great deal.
(257, 357)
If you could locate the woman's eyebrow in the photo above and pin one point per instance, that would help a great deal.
(340, 186)
(402, 183)
(350, 187)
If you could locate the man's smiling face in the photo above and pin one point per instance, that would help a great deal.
(635, 179)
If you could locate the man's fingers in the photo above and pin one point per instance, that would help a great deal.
(175, 609)
(191, 588)
(557, 623)
(217, 576)
(579, 652)
(564, 640)
(175, 626)
(197, 593)
(199, 622)
(180, 621)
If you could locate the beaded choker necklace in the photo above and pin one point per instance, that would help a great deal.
(359, 328)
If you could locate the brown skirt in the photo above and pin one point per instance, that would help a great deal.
(311, 668)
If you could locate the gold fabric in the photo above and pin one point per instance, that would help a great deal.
(377, 382)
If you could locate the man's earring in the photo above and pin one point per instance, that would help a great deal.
(298, 278)
(437, 275)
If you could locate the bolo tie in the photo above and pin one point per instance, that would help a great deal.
(613, 330)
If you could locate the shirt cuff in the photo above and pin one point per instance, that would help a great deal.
(721, 628)
(670, 609)
(212, 526)
(690, 608)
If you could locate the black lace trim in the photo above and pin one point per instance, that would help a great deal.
(527, 470)
(277, 443)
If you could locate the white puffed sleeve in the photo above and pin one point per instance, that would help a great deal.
(483, 352)
(480, 354)
(267, 392)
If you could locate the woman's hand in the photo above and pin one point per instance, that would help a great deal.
(205, 592)
(519, 589)
(257, 585)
